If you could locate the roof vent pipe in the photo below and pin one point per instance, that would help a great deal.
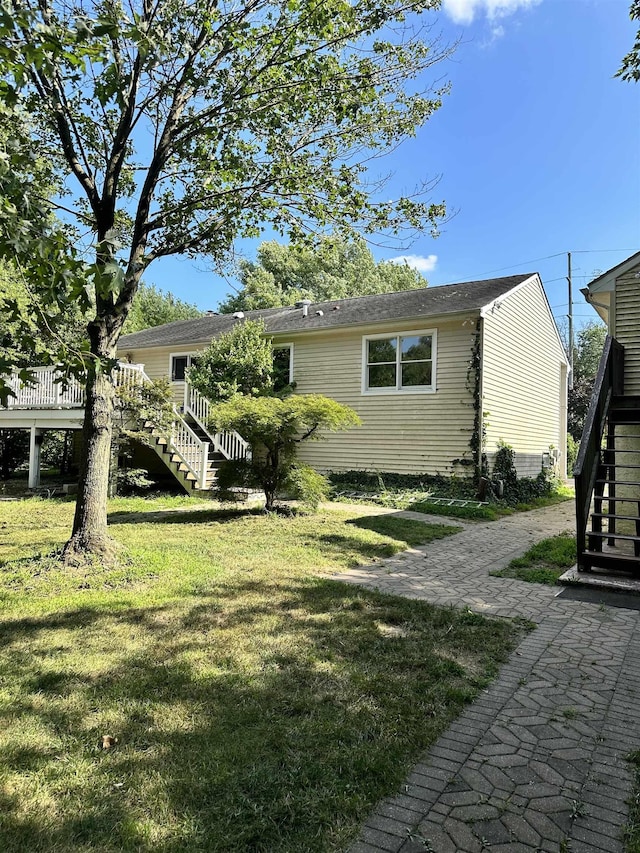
(304, 304)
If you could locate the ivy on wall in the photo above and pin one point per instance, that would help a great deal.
(478, 434)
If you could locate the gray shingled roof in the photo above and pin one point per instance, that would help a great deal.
(357, 311)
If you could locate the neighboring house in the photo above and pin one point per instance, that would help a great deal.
(608, 465)
(439, 376)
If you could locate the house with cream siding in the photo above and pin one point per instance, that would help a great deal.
(440, 376)
(607, 470)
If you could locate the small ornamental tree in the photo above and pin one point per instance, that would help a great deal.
(274, 428)
(238, 362)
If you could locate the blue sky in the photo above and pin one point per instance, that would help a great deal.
(537, 146)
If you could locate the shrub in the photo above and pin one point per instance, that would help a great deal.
(273, 428)
(572, 453)
(134, 481)
(238, 362)
(518, 490)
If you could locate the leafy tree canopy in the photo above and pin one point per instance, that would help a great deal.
(630, 68)
(238, 362)
(153, 307)
(586, 358)
(29, 335)
(336, 267)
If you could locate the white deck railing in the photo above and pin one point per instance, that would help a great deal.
(50, 390)
(230, 444)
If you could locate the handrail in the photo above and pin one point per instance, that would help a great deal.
(192, 451)
(182, 442)
(230, 444)
(609, 382)
(49, 389)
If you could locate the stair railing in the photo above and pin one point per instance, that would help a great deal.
(183, 441)
(609, 382)
(194, 453)
(230, 444)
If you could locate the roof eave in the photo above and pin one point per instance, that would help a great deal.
(607, 280)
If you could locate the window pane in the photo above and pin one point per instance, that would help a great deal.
(382, 350)
(418, 373)
(194, 360)
(178, 367)
(382, 376)
(416, 348)
(281, 367)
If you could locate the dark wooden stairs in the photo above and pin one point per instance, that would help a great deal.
(613, 537)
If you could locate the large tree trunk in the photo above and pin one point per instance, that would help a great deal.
(89, 537)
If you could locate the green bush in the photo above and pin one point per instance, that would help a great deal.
(306, 484)
(573, 447)
(518, 490)
(134, 481)
(274, 428)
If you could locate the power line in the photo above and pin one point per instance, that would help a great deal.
(547, 258)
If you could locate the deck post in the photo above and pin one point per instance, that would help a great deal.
(34, 457)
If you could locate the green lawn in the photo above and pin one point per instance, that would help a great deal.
(257, 705)
(544, 562)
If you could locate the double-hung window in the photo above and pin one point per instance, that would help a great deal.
(403, 362)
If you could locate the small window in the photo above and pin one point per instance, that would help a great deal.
(282, 366)
(179, 366)
(404, 362)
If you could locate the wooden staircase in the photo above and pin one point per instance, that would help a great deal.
(607, 474)
(174, 457)
(191, 452)
(613, 540)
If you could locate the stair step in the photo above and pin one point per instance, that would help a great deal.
(619, 465)
(615, 516)
(602, 560)
(605, 534)
(607, 498)
(618, 482)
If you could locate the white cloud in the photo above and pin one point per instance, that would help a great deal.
(417, 262)
(464, 11)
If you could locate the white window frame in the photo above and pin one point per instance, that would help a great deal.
(188, 356)
(410, 389)
(288, 346)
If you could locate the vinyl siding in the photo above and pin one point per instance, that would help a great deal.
(404, 433)
(627, 328)
(524, 379)
(156, 363)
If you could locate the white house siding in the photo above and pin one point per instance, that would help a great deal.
(627, 328)
(404, 433)
(524, 379)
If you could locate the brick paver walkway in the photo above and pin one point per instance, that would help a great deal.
(538, 762)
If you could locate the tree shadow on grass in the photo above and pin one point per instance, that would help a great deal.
(182, 516)
(253, 717)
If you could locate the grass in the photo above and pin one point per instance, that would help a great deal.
(544, 562)
(257, 705)
(632, 829)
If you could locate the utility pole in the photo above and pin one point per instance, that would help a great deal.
(570, 317)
